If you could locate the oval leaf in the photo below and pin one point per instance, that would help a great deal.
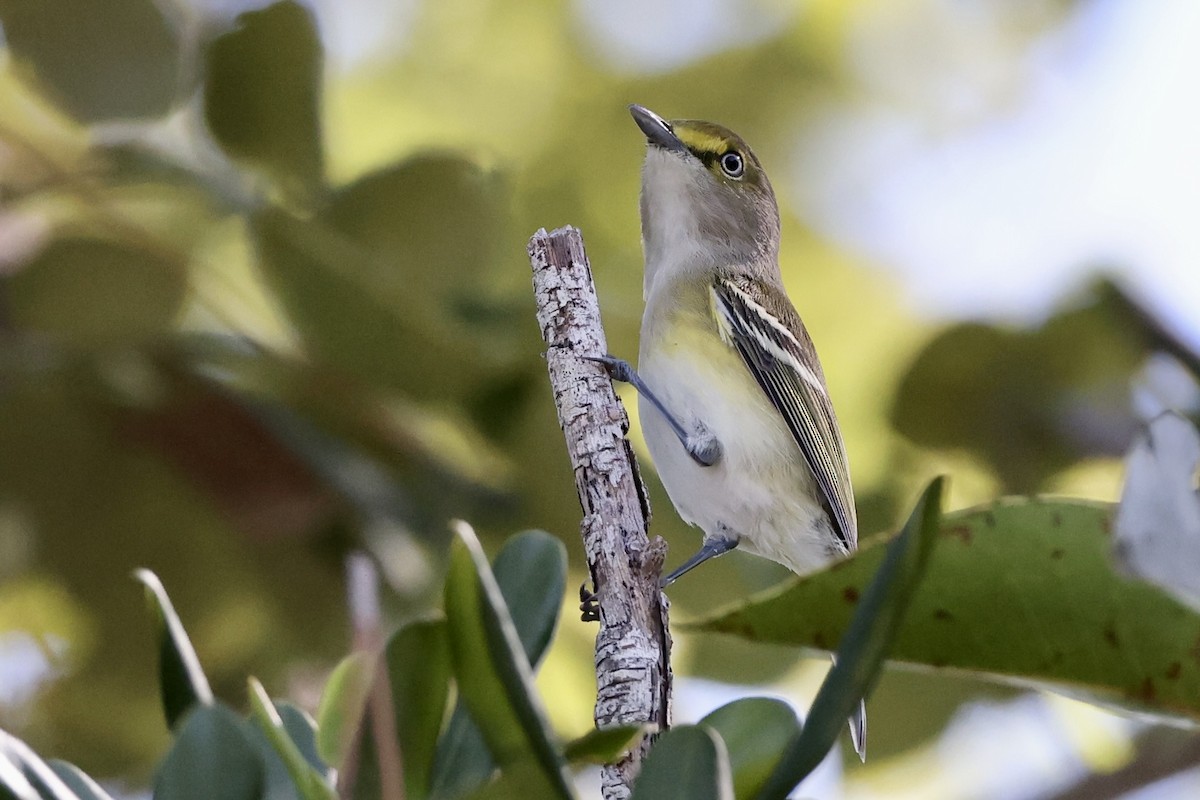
(1022, 591)
(262, 95)
(756, 732)
(686, 763)
(603, 747)
(91, 291)
(860, 657)
(79, 782)
(342, 705)
(211, 741)
(531, 571)
(418, 669)
(494, 676)
(99, 59)
(181, 680)
(308, 782)
(417, 660)
(31, 772)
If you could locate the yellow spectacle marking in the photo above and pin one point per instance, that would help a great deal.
(701, 141)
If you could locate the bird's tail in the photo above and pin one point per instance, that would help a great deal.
(858, 724)
(858, 730)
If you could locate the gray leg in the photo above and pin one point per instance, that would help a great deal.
(701, 445)
(711, 548)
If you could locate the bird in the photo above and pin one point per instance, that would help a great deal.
(732, 399)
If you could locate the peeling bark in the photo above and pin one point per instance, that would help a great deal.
(633, 669)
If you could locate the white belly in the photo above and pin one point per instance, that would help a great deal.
(760, 490)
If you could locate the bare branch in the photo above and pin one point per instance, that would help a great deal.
(633, 670)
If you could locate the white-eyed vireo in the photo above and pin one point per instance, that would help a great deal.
(732, 399)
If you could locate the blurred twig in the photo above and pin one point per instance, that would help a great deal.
(633, 670)
(362, 588)
(1161, 754)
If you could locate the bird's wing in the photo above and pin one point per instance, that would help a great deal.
(777, 350)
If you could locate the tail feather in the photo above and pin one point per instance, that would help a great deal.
(858, 730)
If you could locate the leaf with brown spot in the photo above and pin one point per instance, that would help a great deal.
(993, 605)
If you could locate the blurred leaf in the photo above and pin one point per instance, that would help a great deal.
(33, 772)
(686, 763)
(211, 742)
(181, 679)
(1157, 525)
(262, 95)
(92, 291)
(418, 668)
(864, 646)
(100, 59)
(493, 673)
(13, 784)
(417, 660)
(1032, 402)
(300, 729)
(342, 706)
(309, 783)
(463, 761)
(521, 781)
(756, 732)
(357, 309)
(1022, 591)
(226, 445)
(431, 219)
(81, 784)
(601, 747)
(531, 572)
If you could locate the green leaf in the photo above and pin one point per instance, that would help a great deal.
(356, 309)
(531, 571)
(686, 763)
(463, 761)
(756, 731)
(263, 92)
(863, 648)
(413, 216)
(92, 291)
(13, 784)
(181, 680)
(78, 781)
(418, 669)
(494, 677)
(99, 59)
(211, 741)
(309, 783)
(1022, 591)
(602, 747)
(520, 781)
(301, 730)
(32, 773)
(417, 660)
(342, 706)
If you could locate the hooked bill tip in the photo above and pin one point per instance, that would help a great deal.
(658, 131)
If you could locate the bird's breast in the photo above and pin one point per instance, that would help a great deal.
(761, 489)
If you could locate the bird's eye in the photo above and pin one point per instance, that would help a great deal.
(732, 164)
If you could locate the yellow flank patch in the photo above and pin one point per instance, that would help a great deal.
(701, 141)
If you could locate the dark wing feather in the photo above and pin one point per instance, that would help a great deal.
(778, 352)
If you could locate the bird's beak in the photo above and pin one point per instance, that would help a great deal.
(658, 130)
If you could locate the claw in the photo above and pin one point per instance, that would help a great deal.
(589, 604)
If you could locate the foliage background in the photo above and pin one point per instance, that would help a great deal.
(264, 300)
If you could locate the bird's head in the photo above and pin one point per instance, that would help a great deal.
(706, 201)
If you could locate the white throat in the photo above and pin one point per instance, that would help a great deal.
(671, 236)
